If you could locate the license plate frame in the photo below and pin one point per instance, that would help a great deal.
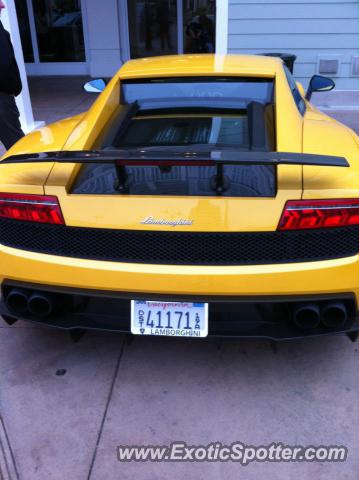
(169, 319)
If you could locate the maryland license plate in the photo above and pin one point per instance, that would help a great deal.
(171, 319)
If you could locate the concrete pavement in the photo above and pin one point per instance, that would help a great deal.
(52, 397)
(156, 390)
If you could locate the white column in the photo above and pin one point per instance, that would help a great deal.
(180, 26)
(221, 26)
(103, 20)
(9, 20)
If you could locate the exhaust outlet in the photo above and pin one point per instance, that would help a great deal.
(17, 300)
(306, 316)
(334, 315)
(41, 304)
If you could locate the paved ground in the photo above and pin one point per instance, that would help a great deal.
(55, 97)
(155, 391)
(64, 406)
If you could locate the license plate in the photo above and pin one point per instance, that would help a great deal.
(171, 319)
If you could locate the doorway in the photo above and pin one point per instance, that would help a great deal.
(52, 36)
(165, 27)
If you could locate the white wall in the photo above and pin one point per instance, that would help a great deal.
(222, 26)
(308, 28)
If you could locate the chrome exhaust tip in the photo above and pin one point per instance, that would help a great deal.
(306, 316)
(334, 315)
(41, 304)
(17, 300)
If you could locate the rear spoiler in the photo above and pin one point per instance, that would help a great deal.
(168, 157)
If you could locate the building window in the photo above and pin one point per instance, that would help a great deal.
(164, 27)
(152, 27)
(59, 30)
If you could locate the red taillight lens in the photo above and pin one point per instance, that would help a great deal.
(32, 208)
(301, 214)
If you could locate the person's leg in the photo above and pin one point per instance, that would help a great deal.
(168, 36)
(10, 128)
(162, 38)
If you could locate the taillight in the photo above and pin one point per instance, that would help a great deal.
(32, 208)
(303, 214)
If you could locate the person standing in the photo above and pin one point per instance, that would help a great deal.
(10, 87)
(164, 23)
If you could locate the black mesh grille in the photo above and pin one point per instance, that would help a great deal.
(181, 248)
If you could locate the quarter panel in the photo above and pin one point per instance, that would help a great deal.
(329, 137)
(31, 178)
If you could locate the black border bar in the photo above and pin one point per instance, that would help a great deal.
(187, 157)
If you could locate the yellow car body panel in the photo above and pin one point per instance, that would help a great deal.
(27, 179)
(209, 214)
(312, 133)
(307, 278)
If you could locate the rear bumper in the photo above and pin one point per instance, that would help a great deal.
(233, 292)
(305, 278)
(252, 317)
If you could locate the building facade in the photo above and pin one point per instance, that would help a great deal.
(323, 34)
(92, 37)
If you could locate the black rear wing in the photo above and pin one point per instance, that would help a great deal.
(188, 157)
(169, 157)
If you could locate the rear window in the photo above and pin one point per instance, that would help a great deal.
(189, 129)
(197, 91)
(171, 114)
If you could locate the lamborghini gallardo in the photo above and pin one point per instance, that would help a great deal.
(199, 195)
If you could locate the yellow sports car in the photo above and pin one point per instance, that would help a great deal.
(200, 195)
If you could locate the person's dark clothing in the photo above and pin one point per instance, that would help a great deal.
(10, 87)
(10, 128)
(164, 23)
(201, 35)
(10, 81)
